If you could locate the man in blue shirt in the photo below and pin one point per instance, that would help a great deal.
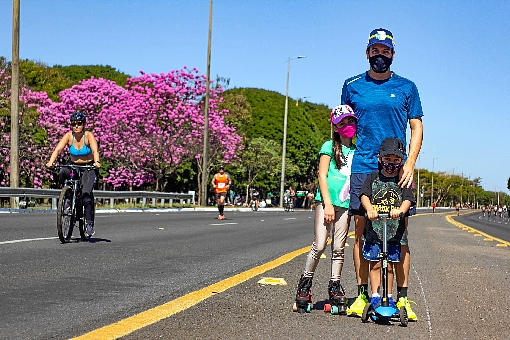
(383, 102)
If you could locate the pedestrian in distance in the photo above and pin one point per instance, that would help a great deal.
(84, 151)
(381, 194)
(457, 208)
(221, 182)
(331, 210)
(384, 103)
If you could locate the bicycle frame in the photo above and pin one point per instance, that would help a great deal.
(76, 207)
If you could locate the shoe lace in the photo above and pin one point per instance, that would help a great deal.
(407, 302)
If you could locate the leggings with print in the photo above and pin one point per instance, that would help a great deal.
(339, 229)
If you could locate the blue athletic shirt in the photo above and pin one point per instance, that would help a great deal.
(84, 151)
(382, 108)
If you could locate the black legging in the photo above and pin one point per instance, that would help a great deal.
(88, 180)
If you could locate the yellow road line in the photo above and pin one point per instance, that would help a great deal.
(450, 219)
(138, 321)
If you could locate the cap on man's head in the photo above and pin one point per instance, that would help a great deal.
(381, 36)
(392, 146)
(222, 167)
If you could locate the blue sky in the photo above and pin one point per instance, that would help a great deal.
(457, 53)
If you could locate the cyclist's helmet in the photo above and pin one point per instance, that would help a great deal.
(340, 112)
(77, 115)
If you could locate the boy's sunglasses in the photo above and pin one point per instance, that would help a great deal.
(73, 124)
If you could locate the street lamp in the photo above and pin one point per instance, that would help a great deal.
(432, 191)
(284, 149)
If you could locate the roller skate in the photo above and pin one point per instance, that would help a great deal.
(337, 300)
(303, 296)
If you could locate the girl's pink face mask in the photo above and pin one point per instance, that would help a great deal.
(347, 131)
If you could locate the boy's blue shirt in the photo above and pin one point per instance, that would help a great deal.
(382, 109)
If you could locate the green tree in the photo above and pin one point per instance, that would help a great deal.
(80, 72)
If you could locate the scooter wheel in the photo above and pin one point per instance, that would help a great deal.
(403, 317)
(334, 310)
(366, 312)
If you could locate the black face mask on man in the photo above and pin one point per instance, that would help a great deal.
(379, 63)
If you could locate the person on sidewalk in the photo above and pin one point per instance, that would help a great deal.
(383, 103)
(221, 183)
(332, 203)
(381, 194)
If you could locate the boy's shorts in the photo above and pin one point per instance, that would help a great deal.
(372, 252)
(355, 206)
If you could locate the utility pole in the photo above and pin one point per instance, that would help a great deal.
(205, 153)
(14, 174)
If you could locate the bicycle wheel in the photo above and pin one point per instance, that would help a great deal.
(65, 218)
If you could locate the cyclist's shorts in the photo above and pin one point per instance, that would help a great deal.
(372, 252)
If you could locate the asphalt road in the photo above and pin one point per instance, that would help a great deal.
(137, 261)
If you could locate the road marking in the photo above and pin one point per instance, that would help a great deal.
(290, 218)
(151, 316)
(28, 240)
(503, 243)
(223, 223)
(425, 300)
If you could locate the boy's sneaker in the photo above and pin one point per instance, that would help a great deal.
(404, 301)
(90, 229)
(375, 301)
(358, 305)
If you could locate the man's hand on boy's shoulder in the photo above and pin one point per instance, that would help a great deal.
(406, 176)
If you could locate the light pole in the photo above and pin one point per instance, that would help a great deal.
(432, 191)
(205, 154)
(284, 148)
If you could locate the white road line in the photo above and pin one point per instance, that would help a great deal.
(425, 300)
(28, 240)
(223, 223)
(290, 218)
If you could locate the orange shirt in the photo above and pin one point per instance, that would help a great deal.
(221, 183)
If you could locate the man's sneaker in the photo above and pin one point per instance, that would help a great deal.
(90, 229)
(404, 301)
(375, 301)
(392, 303)
(358, 305)
(219, 217)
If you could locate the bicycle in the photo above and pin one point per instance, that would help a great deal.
(254, 204)
(70, 208)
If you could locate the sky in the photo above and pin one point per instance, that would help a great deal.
(456, 52)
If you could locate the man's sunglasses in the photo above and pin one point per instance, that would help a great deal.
(73, 124)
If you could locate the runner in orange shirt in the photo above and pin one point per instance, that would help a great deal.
(221, 183)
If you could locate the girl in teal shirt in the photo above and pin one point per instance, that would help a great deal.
(331, 212)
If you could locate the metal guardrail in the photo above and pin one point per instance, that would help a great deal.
(111, 195)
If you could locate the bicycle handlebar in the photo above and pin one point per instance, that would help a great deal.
(71, 166)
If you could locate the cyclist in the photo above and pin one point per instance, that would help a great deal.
(84, 151)
(254, 198)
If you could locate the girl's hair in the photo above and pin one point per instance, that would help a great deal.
(340, 158)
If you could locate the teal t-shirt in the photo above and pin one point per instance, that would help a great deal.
(338, 180)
